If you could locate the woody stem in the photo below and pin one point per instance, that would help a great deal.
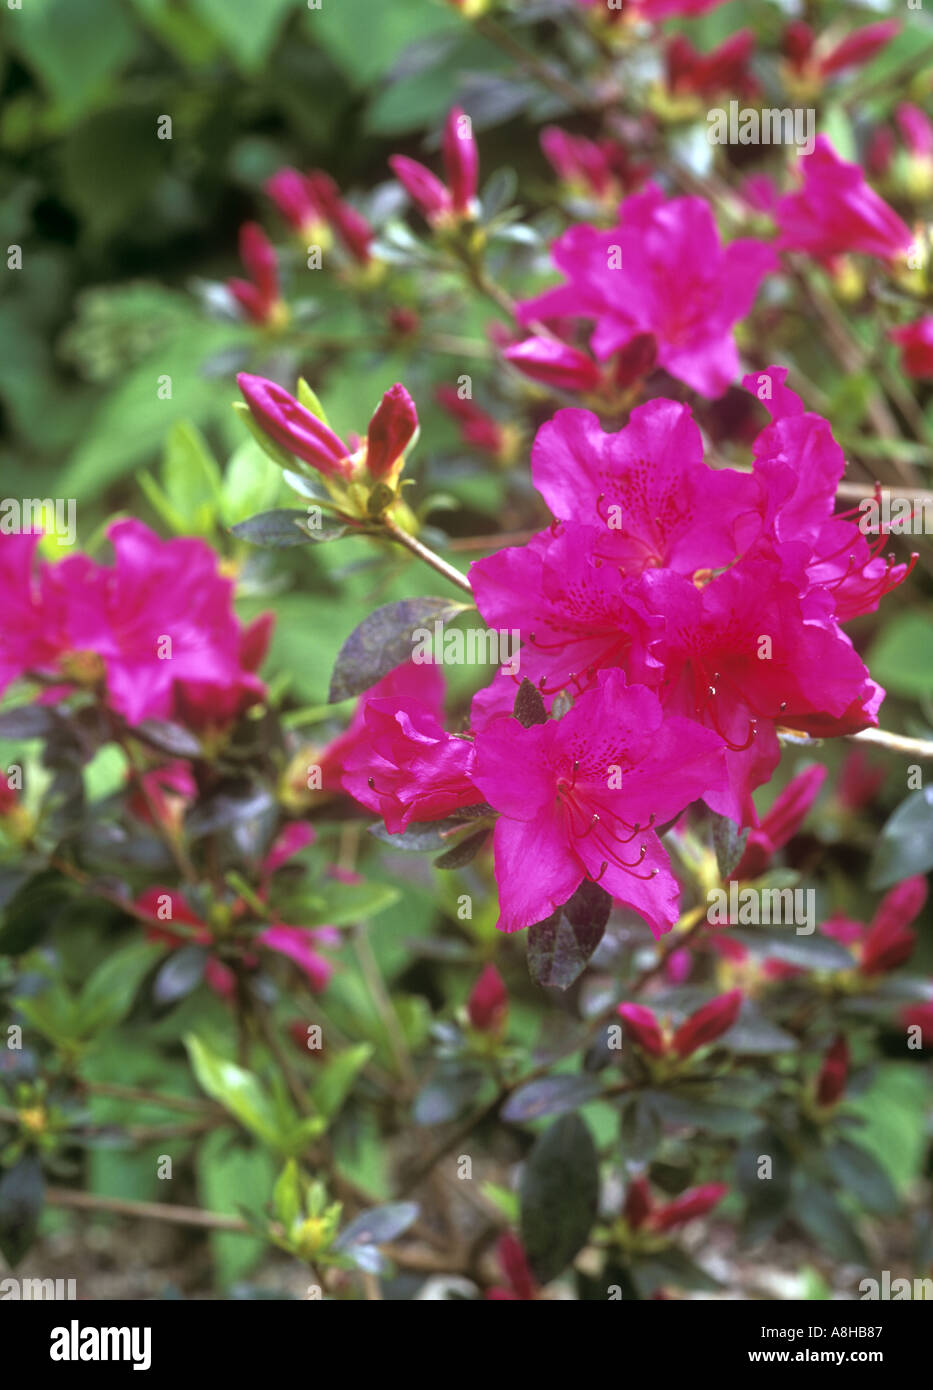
(452, 575)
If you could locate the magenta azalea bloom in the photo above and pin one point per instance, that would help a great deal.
(646, 487)
(408, 768)
(160, 617)
(836, 212)
(662, 271)
(579, 798)
(576, 614)
(424, 683)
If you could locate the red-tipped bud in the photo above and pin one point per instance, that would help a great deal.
(554, 363)
(915, 341)
(834, 1073)
(797, 43)
(488, 1004)
(523, 1285)
(697, 1201)
(461, 159)
(292, 427)
(643, 1028)
(860, 47)
(351, 226)
(291, 194)
(477, 428)
(890, 942)
(636, 359)
(259, 296)
(391, 430)
(638, 1204)
(708, 1023)
(781, 823)
(424, 188)
(920, 1016)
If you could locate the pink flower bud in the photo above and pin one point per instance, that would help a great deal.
(461, 159)
(708, 1023)
(860, 46)
(781, 823)
(643, 1028)
(259, 295)
(554, 363)
(834, 1073)
(523, 1286)
(890, 942)
(697, 1201)
(488, 1003)
(351, 226)
(797, 43)
(424, 188)
(291, 194)
(916, 129)
(294, 428)
(390, 431)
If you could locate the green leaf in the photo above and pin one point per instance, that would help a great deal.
(559, 1196)
(902, 657)
(335, 904)
(191, 478)
(32, 911)
(232, 1177)
(425, 837)
(249, 484)
(384, 640)
(247, 31)
(551, 1095)
(560, 947)
(287, 1196)
(336, 1077)
(389, 30)
(22, 1193)
(670, 1268)
(75, 49)
(238, 1091)
(109, 993)
(448, 1095)
(905, 846)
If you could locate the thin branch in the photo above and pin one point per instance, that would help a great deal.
(146, 1211)
(428, 556)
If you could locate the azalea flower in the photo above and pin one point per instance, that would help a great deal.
(662, 271)
(602, 168)
(350, 226)
(579, 798)
(160, 616)
(724, 69)
(407, 768)
(836, 212)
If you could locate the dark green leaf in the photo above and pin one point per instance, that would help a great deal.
(169, 738)
(463, 852)
(551, 1095)
(447, 1096)
(560, 947)
(729, 843)
(905, 846)
(823, 1218)
(559, 1196)
(858, 1172)
(384, 640)
(378, 1226)
(529, 705)
(284, 527)
(22, 1192)
(181, 973)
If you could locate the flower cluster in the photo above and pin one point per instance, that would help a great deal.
(674, 617)
(154, 633)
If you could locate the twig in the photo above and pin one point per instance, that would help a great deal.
(189, 1104)
(895, 743)
(146, 1211)
(428, 556)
